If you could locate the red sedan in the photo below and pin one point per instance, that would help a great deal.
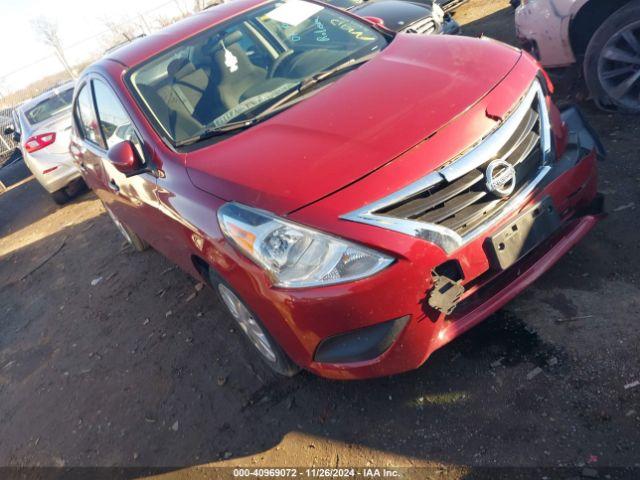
(358, 198)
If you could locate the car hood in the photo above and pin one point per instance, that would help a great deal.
(355, 125)
(396, 14)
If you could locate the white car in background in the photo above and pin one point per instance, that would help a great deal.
(42, 127)
(602, 35)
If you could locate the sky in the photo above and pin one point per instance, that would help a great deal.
(78, 21)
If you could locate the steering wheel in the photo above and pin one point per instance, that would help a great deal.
(277, 63)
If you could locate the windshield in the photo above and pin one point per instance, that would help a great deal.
(240, 68)
(50, 107)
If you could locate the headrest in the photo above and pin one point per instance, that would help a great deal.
(232, 38)
(176, 65)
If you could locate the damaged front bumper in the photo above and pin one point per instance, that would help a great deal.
(582, 137)
(538, 223)
(462, 292)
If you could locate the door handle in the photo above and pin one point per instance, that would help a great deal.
(114, 186)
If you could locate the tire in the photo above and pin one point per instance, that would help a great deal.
(258, 337)
(60, 197)
(138, 244)
(76, 187)
(612, 61)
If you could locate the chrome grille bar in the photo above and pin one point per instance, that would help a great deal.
(515, 140)
(424, 26)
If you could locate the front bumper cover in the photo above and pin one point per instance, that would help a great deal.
(490, 291)
(302, 319)
(582, 136)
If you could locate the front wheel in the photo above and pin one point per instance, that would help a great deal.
(612, 61)
(138, 244)
(254, 331)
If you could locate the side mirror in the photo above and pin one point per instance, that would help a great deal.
(10, 130)
(375, 20)
(125, 158)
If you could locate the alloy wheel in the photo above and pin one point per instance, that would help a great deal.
(252, 329)
(619, 67)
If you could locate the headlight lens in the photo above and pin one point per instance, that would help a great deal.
(296, 256)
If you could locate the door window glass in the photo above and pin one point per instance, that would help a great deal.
(87, 117)
(114, 122)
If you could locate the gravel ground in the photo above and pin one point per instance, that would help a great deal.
(108, 358)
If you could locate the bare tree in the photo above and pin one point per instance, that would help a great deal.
(181, 9)
(162, 21)
(47, 31)
(122, 31)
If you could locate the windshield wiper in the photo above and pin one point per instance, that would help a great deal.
(296, 91)
(216, 131)
(309, 82)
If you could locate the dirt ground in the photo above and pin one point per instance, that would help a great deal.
(107, 359)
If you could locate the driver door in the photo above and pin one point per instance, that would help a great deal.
(131, 199)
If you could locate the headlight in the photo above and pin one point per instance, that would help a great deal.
(296, 256)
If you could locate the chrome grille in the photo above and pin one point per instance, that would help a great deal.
(426, 26)
(453, 205)
(465, 203)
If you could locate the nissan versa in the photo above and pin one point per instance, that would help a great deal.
(358, 198)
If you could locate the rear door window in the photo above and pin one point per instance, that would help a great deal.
(86, 117)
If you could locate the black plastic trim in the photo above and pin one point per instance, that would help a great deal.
(360, 345)
(586, 135)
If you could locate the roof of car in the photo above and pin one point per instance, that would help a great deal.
(143, 48)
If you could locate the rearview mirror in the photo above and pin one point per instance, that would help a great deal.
(9, 130)
(125, 158)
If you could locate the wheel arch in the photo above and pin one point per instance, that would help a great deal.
(586, 21)
(202, 267)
